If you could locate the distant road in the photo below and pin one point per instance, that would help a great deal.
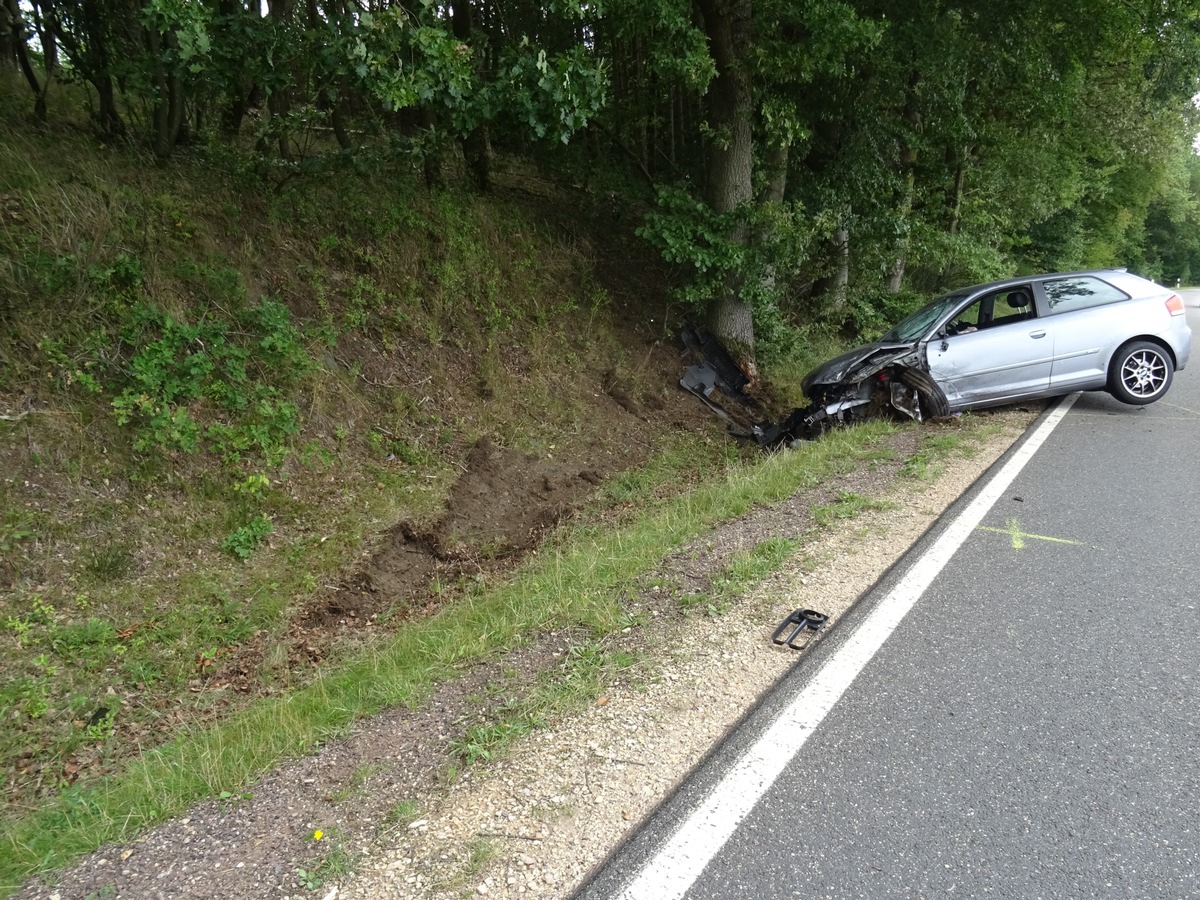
(1191, 297)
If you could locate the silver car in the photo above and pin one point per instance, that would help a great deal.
(1012, 340)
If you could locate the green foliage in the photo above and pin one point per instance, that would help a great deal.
(309, 879)
(408, 61)
(576, 682)
(189, 26)
(963, 141)
(485, 742)
(848, 505)
(244, 540)
(744, 571)
(704, 243)
(402, 812)
(690, 234)
(180, 374)
(13, 530)
(335, 865)
(552, 96)
(869, 314)
(108, 562)
(924, 465)
(39, 624)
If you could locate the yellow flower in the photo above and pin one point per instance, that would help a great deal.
(318, 834)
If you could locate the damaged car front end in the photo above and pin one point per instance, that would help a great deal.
(880, 380)
(888, 377)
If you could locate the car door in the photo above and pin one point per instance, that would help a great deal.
(1083, 315)
(992, 349)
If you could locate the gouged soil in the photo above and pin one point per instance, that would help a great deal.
(498, 510)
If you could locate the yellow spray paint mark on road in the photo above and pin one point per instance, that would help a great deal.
(1013, 529)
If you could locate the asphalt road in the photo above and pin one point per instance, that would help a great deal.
(1031, 726)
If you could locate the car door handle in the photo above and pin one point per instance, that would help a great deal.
(1037, 334)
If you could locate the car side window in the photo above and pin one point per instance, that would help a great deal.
(993, 310)
(965, 320)
(1012, 305)
(1080, 292)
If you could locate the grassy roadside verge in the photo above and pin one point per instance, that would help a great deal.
(577, 581)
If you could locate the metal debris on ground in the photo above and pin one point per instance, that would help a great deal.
(803, 623)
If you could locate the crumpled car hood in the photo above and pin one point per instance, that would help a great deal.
(841, 367)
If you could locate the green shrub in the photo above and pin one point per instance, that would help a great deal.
(236, 378)
(243, 541)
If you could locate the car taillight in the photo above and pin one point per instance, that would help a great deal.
(1175, 305)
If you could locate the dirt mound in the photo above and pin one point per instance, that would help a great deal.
(497, 511)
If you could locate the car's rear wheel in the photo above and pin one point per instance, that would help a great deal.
(1140, 373)
(933, 399)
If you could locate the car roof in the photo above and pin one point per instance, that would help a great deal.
(1026, 279)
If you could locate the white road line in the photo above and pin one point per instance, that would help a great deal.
(671, 872)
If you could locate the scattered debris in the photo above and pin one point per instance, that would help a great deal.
(717, 372)
(868, 383)
(804, 620)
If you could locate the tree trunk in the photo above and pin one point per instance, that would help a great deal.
(9, 30)
(907, 165)
(162, 147)
(110, 121)
(895, 279)
(277, 100)
(95, 27)
(43, 20)
(14, 43)
(956, 196)
(776, 163)
(337, 118)
(841, 277)
(777, 169)
(277, 107)
(836, 283)
(730, 161)
(43, 24)
(168, 109)
(476, 146)
(241, 92)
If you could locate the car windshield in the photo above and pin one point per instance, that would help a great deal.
(918, 324)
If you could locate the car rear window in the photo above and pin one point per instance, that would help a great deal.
(1080, 292)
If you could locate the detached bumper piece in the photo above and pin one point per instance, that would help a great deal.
(804, 623)
(802, 425)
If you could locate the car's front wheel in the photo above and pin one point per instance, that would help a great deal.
(933, 399)
(1140, 373)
